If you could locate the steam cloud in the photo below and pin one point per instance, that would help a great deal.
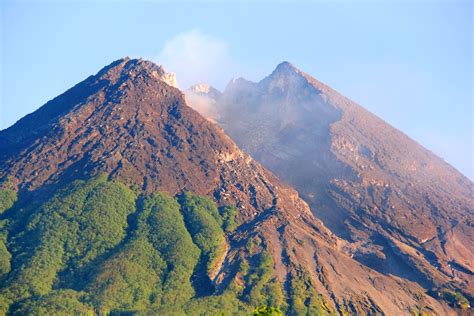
(197, 57)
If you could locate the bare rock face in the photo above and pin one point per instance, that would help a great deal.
(170, 79)
(401, 209)
(128, 122)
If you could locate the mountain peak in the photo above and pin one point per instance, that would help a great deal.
(285, 74)
(130, 68)
(285, 68)
(117, 82)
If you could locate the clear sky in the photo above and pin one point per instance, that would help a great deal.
(410, 62)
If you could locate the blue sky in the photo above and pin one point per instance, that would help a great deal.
(410, 62)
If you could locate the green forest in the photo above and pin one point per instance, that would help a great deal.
(97, 247)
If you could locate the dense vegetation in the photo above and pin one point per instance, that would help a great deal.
(262, 286)
(205, 226)
(97, 247)
(7, 199)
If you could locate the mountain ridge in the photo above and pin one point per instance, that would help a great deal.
(135, 132)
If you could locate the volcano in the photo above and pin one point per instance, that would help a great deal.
(118, 198)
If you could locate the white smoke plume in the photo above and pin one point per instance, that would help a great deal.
(197, 57)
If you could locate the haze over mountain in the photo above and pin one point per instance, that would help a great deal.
(402, 210)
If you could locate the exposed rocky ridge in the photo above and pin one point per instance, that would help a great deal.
(403, 210)
(128, 123)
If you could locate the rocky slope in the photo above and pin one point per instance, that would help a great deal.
(127, 124)
(402, 210)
